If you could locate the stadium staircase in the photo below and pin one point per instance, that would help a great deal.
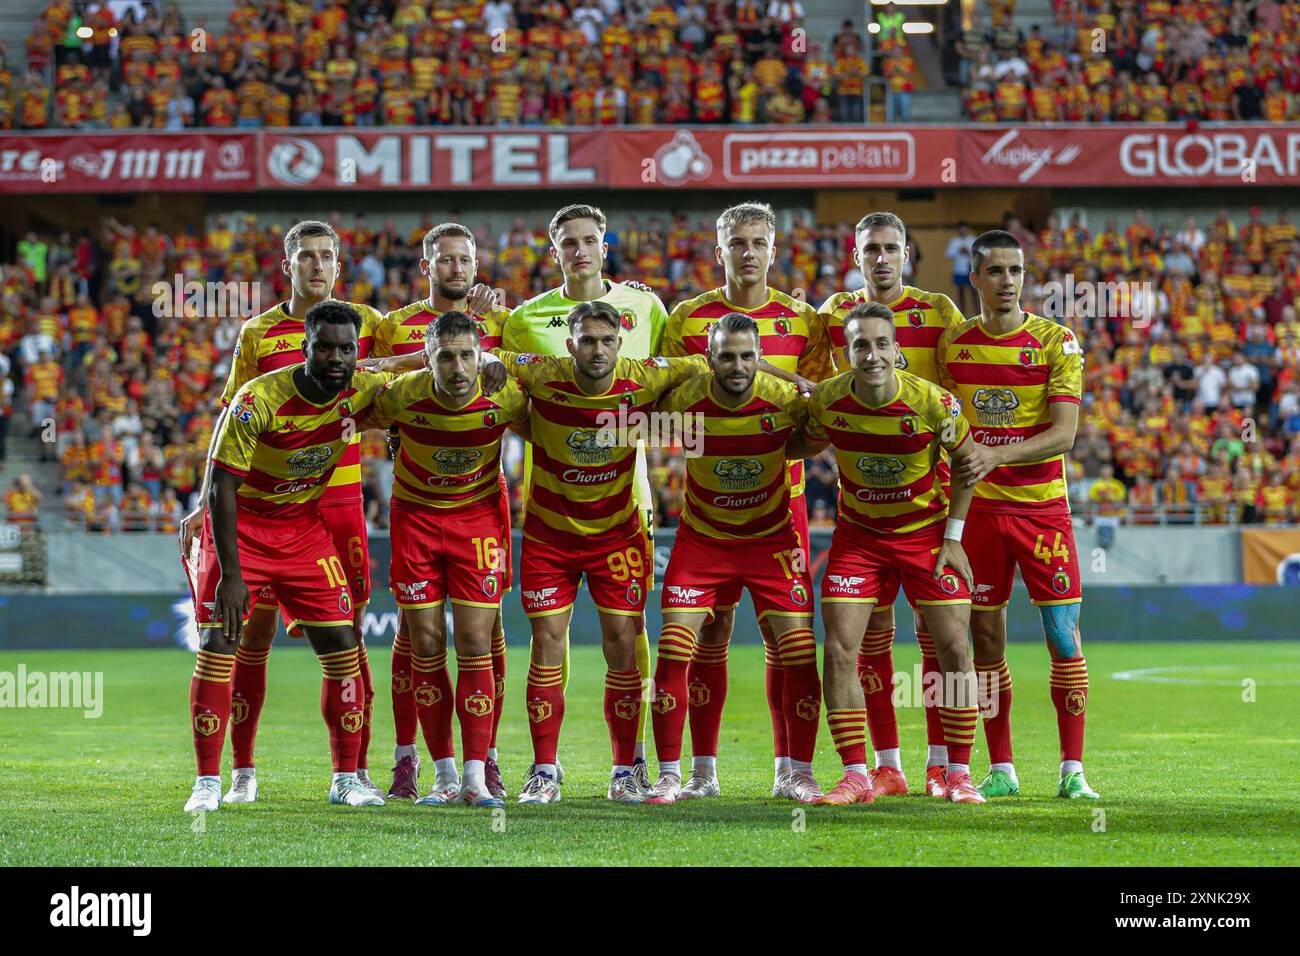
(16, 20)
(24, 458)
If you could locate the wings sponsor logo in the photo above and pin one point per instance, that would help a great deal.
(589, 447)
(738, 474)
(412, 591)
(545, 597)
(880, 471)
(845, 584)
(310, 461)
(995, 406)
(679, 594)
(456, 461)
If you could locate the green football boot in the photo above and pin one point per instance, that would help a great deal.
(999, 783)
(1075, 787)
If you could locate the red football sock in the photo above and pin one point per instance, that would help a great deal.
(545, 709)
(959, 731)
(931, 676)
(623, 713)
(706, 680)
(775, 675)
(876, 673)
(341, 706)
(993, 680)
(210, 709)
(1069, 684)
(434, 703)
(849, 734)
(475, 704)
(405, 719)
(247, 696)
(499, 682)
(668, 712)
(367, 705)
(803, 691)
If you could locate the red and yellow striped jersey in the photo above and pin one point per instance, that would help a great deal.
(1007, 384)
(738, 486)
(919, 319)
(888, 456)
(273, 340)
(582, 474)
(448, 457)
(792, 337)
(285, 447)
(401, 332)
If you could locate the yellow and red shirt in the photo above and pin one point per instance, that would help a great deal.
(887, 455)
(401, 332)
(919, 319)
(1007, 384)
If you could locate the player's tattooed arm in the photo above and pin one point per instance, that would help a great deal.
(232, 594)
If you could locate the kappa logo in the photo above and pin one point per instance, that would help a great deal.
(965, 356)
(879, 471)
(288, 426)
(541, 598)
(352, 721)
(1075, 702)
(557, 323)
(238, 710)
(808, 708)
(282, 345)
(840, 422)
(560, 398)
(738, 474)
(207, 724)
(539, 710)
(678, 593)
(995, 406)
(664, 702)
(416, 335)
(401, 683)
(870, 681)
(480, 705)
(427, 695)
(627, 708)
(456, 461)
(421, 420)
(698, 694)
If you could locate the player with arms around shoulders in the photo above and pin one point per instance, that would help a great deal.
(1019, 377)
(278, 447)
(895, 526)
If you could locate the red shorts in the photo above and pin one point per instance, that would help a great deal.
(617, 573)
(347, 523)
(728, 593)
(441, 553)
(866, 567)
(703, 569)
(506, 540)
(1040, 543)
(292, 561)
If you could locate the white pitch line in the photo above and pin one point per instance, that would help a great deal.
(1153, 675)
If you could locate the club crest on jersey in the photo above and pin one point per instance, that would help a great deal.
(345, 601)
(456, 461)
(588, 447)
(1061, 582)
(626, 709)
(798, 594)
(768, 424)
(1028, 357)
(698, 694)
(663, 702)
(490, 585)
(633, 594)
(781, 326)
(539, 710)
(238, 710)
(627, 399)
(915, 318)
(427, 695)
(1075, 702)
(345, 408)
(738, 474)
(351, 721)
(995, 406)
(207, 724)
(310, 461)
(948, 583)
(627, 319)
(480, 705)
(907, 425)
(489, 419)
(879, 471)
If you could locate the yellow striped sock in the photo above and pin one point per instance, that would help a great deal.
(213, 667)
(798, 647)
(676, 642)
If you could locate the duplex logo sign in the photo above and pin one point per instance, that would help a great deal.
(1026, 159)
(818, 158)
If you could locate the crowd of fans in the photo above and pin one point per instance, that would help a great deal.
(1147, 61)
(438, 62)
(1192, 378)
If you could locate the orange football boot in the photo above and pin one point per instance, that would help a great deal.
(935, 784)
(888, 782)
(853, 787)
(962, 790)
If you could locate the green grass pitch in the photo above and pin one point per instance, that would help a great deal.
(1190, 773)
